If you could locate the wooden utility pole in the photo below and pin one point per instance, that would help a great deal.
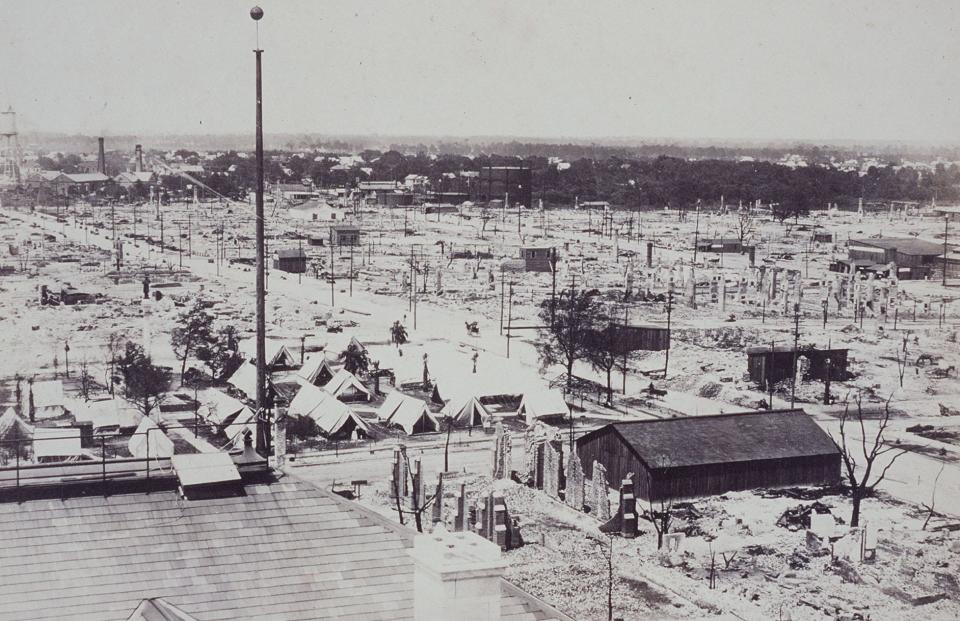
(666, 360)
(332, 279)
(696, 236)
(796, 344)
(946, 225)
(509, 319)
(263, 424)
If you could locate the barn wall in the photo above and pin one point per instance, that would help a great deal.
(610, 450)
(709, 480)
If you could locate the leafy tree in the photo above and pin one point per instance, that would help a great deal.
(194, 333)
(221, 354)
(144, 383)
(355, 359)
(567, 339)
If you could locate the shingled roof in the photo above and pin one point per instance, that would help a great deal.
(725, 438)
(284, 550)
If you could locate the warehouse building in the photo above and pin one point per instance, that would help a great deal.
(915, 258)
(698, 456)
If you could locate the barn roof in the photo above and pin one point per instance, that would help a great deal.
(903, 245)
(724, 438)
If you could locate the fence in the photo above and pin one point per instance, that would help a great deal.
(34, 462)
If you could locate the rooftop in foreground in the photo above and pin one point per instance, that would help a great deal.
(282, 549)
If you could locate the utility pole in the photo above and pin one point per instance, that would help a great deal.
(351, 269)
(696, 235)
(946, 225)
(332, 279)
(300, 257)
(263, 424)
(509, 320)
(180, 243)
(553, 285)
(666, 360)
(503, 279)
(190, 233)
(796, 344)
(162, 249)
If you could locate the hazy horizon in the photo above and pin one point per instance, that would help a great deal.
(733, 72)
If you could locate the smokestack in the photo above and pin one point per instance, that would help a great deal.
(101, 158)
(138, 164)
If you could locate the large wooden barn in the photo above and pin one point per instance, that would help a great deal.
(697, 456)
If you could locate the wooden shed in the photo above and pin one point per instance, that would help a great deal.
(640, 337)
(776, 363)
(697, 456)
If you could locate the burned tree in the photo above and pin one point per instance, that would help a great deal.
(659, 510)
(603, 351)
(859, 473)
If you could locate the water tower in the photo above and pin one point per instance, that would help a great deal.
(9, 149)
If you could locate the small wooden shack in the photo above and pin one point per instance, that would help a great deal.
(344, 235)
(640, 337)
(697, 456)
(537, 258)
(776, 363)
(293, 260)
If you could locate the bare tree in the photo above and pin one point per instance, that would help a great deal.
(606, 550)
(901, 362)
(660, 510)
(419, 505)
(85, 379)
(859, 473)
(932, 507)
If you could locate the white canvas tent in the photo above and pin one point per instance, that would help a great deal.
(56, 443)
(48, 399)
(13, 427)
(542, 405)
(278, 356)
(409, 413)
(467, 411)
(316, 370)
(244, 379)
(232, 417)
(333, 417)
(346, 386)
(150, 440)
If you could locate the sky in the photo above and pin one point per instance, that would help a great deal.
(730, 70)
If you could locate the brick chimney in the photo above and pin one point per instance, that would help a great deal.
(101, 157)
(138, 163)
(457, 576)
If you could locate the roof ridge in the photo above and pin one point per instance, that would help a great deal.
(705, 416)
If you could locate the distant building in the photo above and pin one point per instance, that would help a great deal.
(915, 259)
(68, 184)
(537, 258)
(724, 245)
(292, 260)
(344, 235)
(417, 184)
(696, 456)
(293, 192)
(496, 182)
(130, 179)
(776, 364)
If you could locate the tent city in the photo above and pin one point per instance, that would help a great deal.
(501, 311)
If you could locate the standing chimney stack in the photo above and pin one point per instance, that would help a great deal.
(101, 158)
(138, 164)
